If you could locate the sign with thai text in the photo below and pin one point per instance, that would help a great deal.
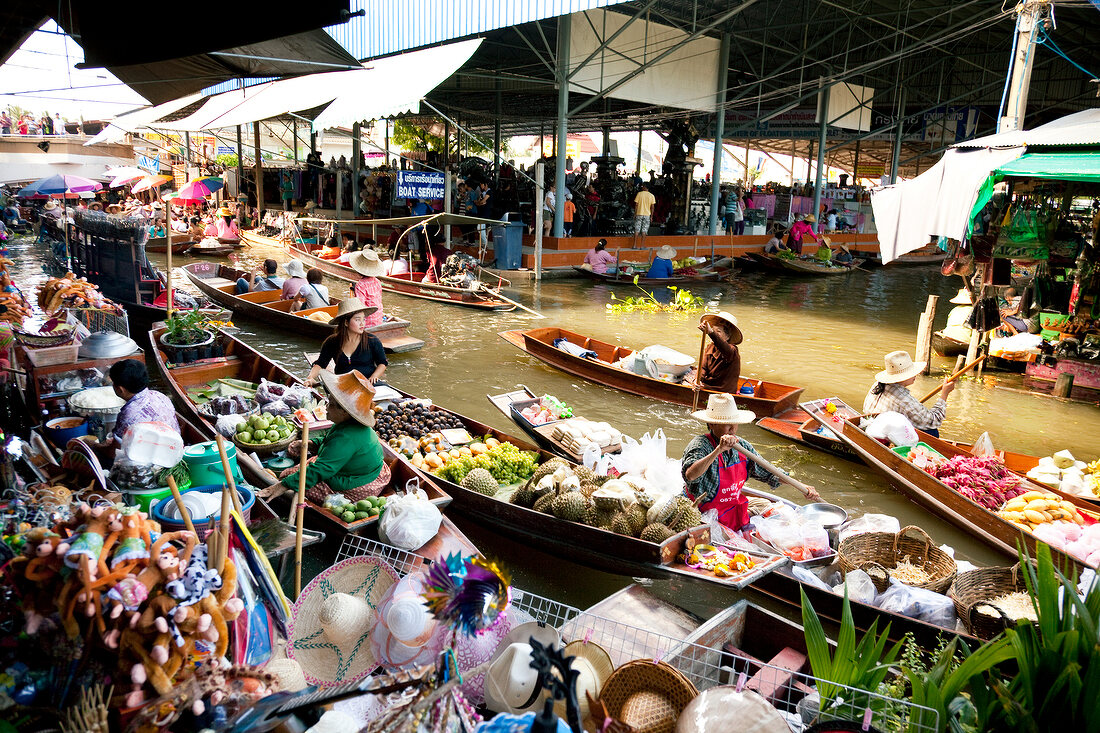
(423, 185)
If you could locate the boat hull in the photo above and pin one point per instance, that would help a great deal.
(806, 267)
(947, 346)
(617, 278)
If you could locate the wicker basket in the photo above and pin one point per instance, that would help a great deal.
(879, 552)
(265, 450)
(975, 587)
(647, 695)
(40, 339)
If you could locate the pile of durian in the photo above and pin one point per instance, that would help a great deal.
(621, 505)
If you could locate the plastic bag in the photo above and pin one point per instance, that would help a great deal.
(983, 446)
(596, 460)
(269, 391)
(409, 522)
(870, 523)
(665, 476)
(277, 407)
(919, 603)
(805, 575)
(132, 476)
(227, 424)
(779, 534)
(336, 502)
(860, 587)
(631, 458)
(296, 397)
(718, 533)
(654, 445)
(894, 427)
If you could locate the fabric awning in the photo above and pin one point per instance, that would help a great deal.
(1079, 128)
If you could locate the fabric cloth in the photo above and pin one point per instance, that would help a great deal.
(823, 254)
(369, 290)
(730, 504)
(291, 286)
(322, 490)
(146, 406)
(316, 295)
(720, 368)
(896, 398)
(349, 457)
(364, 359)
(568, 210)
(707, 485)
(210, 231)
(599, 260)
(643, 203)
(660, 268)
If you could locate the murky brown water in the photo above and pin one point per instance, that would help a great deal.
(828, 334)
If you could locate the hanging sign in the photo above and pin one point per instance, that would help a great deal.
(423, 185)
(149, 164)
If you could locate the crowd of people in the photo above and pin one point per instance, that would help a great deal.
(14, 122)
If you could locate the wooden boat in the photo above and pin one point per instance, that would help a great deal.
(927, 255)
(207, 248)
(409, 284)
(768, 398)
(811, 267)
(218, 282)
(243, 362)
(800, 426)
(619, 278)
(766, 261)
(947, 346)
(938, 498)
(543, 435)
(159, 245)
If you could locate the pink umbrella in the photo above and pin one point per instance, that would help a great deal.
(126, 174)
(150, 182)
(196, 191)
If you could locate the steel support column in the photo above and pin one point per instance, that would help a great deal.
(356, 154)
(898, 132)
(562, 64)
(240, 162)
(819, 181)
(719, 131)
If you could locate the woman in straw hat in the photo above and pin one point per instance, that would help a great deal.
(368, 289)
(891, 394)
(958, 318)
(349, 457)
(799, 231)
(662, 262)
(352, 347)
(226, 226)
(720, 368)
(715, 469)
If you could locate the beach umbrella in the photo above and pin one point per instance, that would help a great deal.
(196, 191)
(149, 182)
(125, 174)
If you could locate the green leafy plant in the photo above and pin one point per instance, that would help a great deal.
(187, 327)
(684, 301)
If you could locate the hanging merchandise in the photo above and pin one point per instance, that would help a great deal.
(986, 315)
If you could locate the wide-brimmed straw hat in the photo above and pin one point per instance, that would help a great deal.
(810, 219)
(727, 318)
(310, 205)
(511, 683)
(594, 666)
(157, 205)
(366, 263)
(899, 367)
(350, 307)
(724, 709)
(666, 253)
(722, 410)
(962, 297)
(333, 619)
(224, 211)
(647, 695)
(114, 209)
(353, 392)
(96, 206)
(50, 205)
(827, 241)
(295, 268)
(843, 247)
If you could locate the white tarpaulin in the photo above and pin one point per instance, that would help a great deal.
(937, 203)
(383, 88)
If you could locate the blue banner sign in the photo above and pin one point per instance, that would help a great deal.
(423, 185)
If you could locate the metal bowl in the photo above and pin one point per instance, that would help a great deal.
(827, 515)
(107, 345)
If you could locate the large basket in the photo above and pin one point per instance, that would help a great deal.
(973, 588)
(878, 553)
(265, 450)
(647, 695)
(44, 340)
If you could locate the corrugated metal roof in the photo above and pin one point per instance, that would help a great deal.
(1079, 128)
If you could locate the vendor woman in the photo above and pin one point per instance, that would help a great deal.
(891, 394)
(130, 380)
(713, 465)
(352, 347)
(349, 456)
(720, 369)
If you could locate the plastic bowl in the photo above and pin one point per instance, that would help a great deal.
(163, 514)
(63, 429)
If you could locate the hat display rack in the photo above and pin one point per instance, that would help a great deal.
(703, 666)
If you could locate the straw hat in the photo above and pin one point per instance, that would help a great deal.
(310, 205)
(96, 206)
(349, 307)
(352, 392)
(50, 205)
(810, 219)
(827, 241)
(843, 247)
(725, 710)
(511, 683)
(899, 367)
(406, 634)
(333, 618)
(294, 268)
(114, 209)
(224, 211)
(962, 298)
(594, 666)
(366, 263)
(722, 410)
(727, 318)
(646, 695)
(666, 253)
(289, 674)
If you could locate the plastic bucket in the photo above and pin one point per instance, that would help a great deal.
(146, 499)
(204, 524)
(63, 429)
(205, 463)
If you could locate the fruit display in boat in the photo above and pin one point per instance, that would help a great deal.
(481, 481)
(412, 418)
(369, 508)
(263, 430)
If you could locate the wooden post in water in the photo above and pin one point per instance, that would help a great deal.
(924, 334)
(1063, 385)
(259, 167)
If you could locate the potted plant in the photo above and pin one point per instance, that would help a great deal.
(187, 337)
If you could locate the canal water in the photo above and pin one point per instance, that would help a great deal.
(826, 334)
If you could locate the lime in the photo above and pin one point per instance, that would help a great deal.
(348, 516)
(375, 511)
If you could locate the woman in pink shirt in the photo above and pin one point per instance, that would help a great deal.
(800, 229)
(227, 226)
(599, 257)
(369, 288)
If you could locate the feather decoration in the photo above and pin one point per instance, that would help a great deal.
(467, 593)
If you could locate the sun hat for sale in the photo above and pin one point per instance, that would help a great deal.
(349, 307)
(594, 666)
(722, 410)
(289, 674)
(727, 318)
(647, 695)
(366, 262)
(511, 683)
(406, 634)
(333, 618)
(725, 710)
(473, 651)
(899, 367)
(294, 268)
(963, 297)
(666, 253)
(353, 392)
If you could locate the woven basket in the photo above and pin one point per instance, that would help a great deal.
(877, 553)
(975, 587)
(40, 339)
(647, 695)
(265, 450)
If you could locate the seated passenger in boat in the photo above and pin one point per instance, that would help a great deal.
(958, 318)
(369, 288)
(599, 258)
(720, 368)
(891, 393)
(210, 230)
(662, 262)
(437, 255)
(226, 226)
(257, 283)
(157, 230)
(775, 244)
(196, 230)
(313, 295)
(349, 458)
(352, 347)
(330, 250)
(715, 468)
(843, 257)
(824, 252)
(296, 280)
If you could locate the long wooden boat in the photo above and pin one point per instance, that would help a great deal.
(408, 284)
(947, 346)
(207, 248)
(159, 245)
(766, 261)
(619, 278)
(767, 399)
(543, 434)
(218, 282)
(928, 255)
(810, 267)
(938, 498)
(243, 362)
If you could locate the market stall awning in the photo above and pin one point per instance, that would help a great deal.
(1057, 166)
(1079, 128)
(384, 88)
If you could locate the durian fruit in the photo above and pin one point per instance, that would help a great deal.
(601, 480)
(588, 488)
(662, 510)
(569, 483)
(544, 502)
(656, 533)
(586, 475)
(621, 525)
(543, 486)
(636, 516)
(547, 469)
(604, 517)
(570, 506)
(523, 496)
(688, 518)
(590, 515)
(481, 481)
(644, 498)
(613, 494)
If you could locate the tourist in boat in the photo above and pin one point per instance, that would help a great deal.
(210, 230)
(352, 347)
(720, 368)
(130, 381)
(775, 244)
(799, 231)
(296, 279)
(349, 457)
(437, 255)
(369, 288)
(598, 258)
(226, 226)
(662, 262)
(330, 250)
(714, 468)
(313, 295)
(891, 394)
(958, 318)
(257, 283)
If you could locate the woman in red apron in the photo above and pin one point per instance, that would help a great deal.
(713, 465)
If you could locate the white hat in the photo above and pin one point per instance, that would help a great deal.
(666, 253)
(722, 410)
(511, 683)
(727, 710)
(366, 263)
(294, 268)
(899, 367)
(50, 205)
(963, 297)
(310, 205)
(406, 634)
(729, 319)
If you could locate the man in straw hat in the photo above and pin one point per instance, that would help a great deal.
(662, 262)
(368, 288)
(891, 394)
(352, 347)
(349, 456)
(715, 469)
(720, 368)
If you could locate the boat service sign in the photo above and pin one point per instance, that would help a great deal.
(423, 185)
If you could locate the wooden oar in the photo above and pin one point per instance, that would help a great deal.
(229, 475)
(179, 503)
(301, 509)
(698, 372)
(223, 528)
(521, 306)
(954, 376)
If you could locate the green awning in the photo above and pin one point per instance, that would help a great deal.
(1057, 166)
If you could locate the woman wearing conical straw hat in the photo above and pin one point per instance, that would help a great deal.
(720, 367)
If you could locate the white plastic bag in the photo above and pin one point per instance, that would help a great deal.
(631, 458)
(894, 427)
(860, 587)
(718, 532)
(805, 575)
(983, 446)
(870, 523)
(654, 445)
(596, 460)
(665, 477)
(919, 603)
(410, 520)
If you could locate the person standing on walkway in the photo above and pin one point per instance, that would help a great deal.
(800, 230)
(643, 210)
